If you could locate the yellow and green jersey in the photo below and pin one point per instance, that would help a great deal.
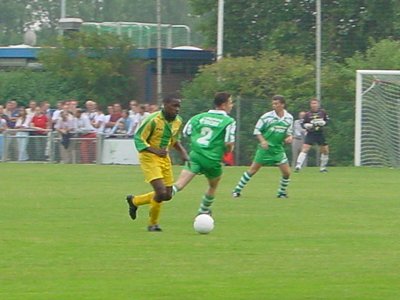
(157, 132)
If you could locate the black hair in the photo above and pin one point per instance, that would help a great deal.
(221, 98)
(280, 98)
(170, 98)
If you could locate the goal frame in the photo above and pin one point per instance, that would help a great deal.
(358, 108)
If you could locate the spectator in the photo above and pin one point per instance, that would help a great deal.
(90, 110)
(140, 116)
(99, 120)
(115, 115)
(133, 105)
(57, 112)
(110, 111)
(87, 135)
(72, 106)
(40, 123)
(3, 127)
(298, 138)
(12, 112)
(124, 124)
(3, 114)
(31, 109)
(65, 127)
(45, 107)
(153, 108)
(22, 124)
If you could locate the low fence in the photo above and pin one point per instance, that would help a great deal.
(51, 147)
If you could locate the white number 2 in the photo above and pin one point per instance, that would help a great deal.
(206, 133)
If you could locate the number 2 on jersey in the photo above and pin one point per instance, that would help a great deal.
(206, 133)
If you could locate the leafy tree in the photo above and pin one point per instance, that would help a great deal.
(289, 26)
(12, 18)
(92, 66)
(25, 85)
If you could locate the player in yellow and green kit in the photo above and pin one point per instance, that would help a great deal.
(211, 134)
(156, 135)
(272, 130)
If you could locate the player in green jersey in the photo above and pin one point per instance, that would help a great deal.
(211, 135)
(272, 130)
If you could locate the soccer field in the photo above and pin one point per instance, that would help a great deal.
(65, 233)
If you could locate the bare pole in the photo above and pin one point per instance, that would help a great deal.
(220, 30)
(318, 51)
(63, 8)
(62, 15)
(159, 55)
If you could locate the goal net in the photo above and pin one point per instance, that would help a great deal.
(377, 136)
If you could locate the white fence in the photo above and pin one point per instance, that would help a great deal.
(26, 146)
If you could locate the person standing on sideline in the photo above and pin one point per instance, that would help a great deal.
(272, 130)
(3, 127)
(212, 134)
(157, 134)
(66, 126)
(22, 124)
(314, 121)
(299, 134)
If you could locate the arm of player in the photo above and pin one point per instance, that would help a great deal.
(182, 151)
(230, 132)
(263, 141)
(229, 147)
(159, 152)
(289, 139)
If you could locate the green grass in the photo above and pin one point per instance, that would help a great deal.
(65, 234)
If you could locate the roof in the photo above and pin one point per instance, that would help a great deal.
(24, 51)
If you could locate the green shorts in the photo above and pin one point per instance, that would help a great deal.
(202, 165)
(270, 158)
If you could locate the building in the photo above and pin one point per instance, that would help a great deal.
(179, 65)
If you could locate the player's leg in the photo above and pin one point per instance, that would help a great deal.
(153, 173)
(324, 149)
(297, 144)
(284, 181)
(152, 170)
(212, 170)
(208, 198)
(245, 178)
(187, 174)
(303, 154)
(163, 192)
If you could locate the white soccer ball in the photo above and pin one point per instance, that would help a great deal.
(203, 224)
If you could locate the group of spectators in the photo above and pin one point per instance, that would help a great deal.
(31, 125)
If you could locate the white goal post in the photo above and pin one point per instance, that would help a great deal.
(377, 127)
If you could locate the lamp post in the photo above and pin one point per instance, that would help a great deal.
(159, 55)
(318, 50)
(63, 8)
(220, 30)
(62, 16)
